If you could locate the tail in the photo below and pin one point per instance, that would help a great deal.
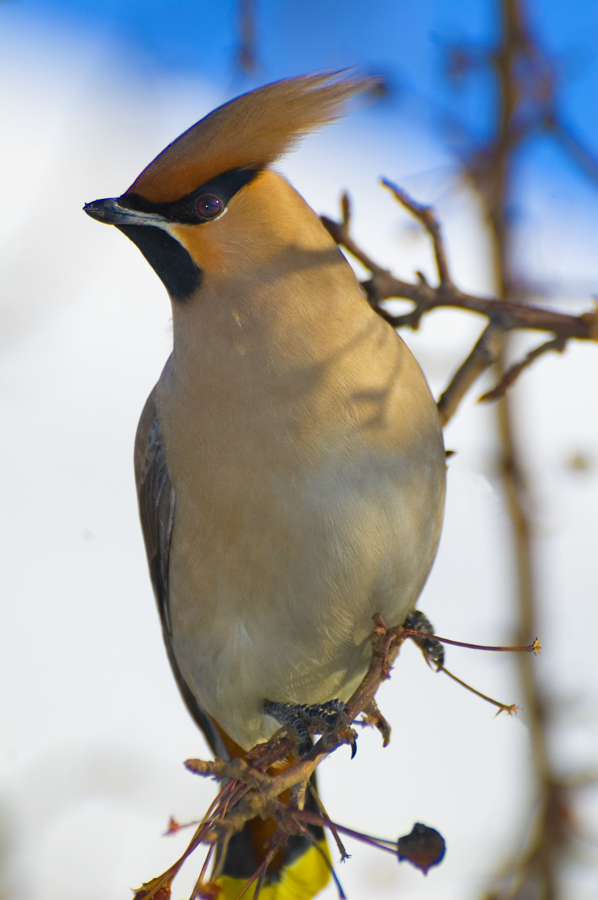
(299, 872)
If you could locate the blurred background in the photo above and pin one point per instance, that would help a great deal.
(489, 114)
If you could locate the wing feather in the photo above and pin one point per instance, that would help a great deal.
(157, 504)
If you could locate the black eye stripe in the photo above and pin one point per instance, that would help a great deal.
(223, 188)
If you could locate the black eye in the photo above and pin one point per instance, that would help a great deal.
(209, 206)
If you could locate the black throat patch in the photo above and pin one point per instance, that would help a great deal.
(169, 259)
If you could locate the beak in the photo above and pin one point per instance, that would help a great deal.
(114, 212)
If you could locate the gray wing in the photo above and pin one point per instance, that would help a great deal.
(157, 511)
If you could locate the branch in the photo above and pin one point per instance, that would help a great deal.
(484, 354)
(504, 315)
(425, 215)
(252, 791)
(512, 374)
(339, 231)
(254, 784)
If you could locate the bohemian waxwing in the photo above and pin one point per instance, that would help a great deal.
(289, 461)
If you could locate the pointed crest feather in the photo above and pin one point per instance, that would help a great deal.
(249, 132)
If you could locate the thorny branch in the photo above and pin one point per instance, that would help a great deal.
(251, 790)
(503, 316)
(507, 316)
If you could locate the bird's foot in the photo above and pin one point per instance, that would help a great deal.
(301, 718)
(431, 648)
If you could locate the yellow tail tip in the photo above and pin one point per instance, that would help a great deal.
(302, 880)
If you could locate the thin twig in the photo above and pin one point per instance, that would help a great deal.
(333, 828)
(339, 231)
(427, 217)
(509, 708)
(535, 647)
(575, 149)
(511, 375)
(484, 354)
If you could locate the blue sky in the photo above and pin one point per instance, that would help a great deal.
(407, 41)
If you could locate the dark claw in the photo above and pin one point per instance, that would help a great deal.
(305, 745)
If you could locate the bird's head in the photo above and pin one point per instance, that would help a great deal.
(210, 203)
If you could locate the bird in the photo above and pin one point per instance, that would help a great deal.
(289, 461)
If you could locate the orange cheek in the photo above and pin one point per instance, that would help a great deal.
(204, 243)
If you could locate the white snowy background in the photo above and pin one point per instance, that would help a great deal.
(92, 730)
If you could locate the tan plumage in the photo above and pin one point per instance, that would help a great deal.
(313, 431)
(251, 131)
(290, 462)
